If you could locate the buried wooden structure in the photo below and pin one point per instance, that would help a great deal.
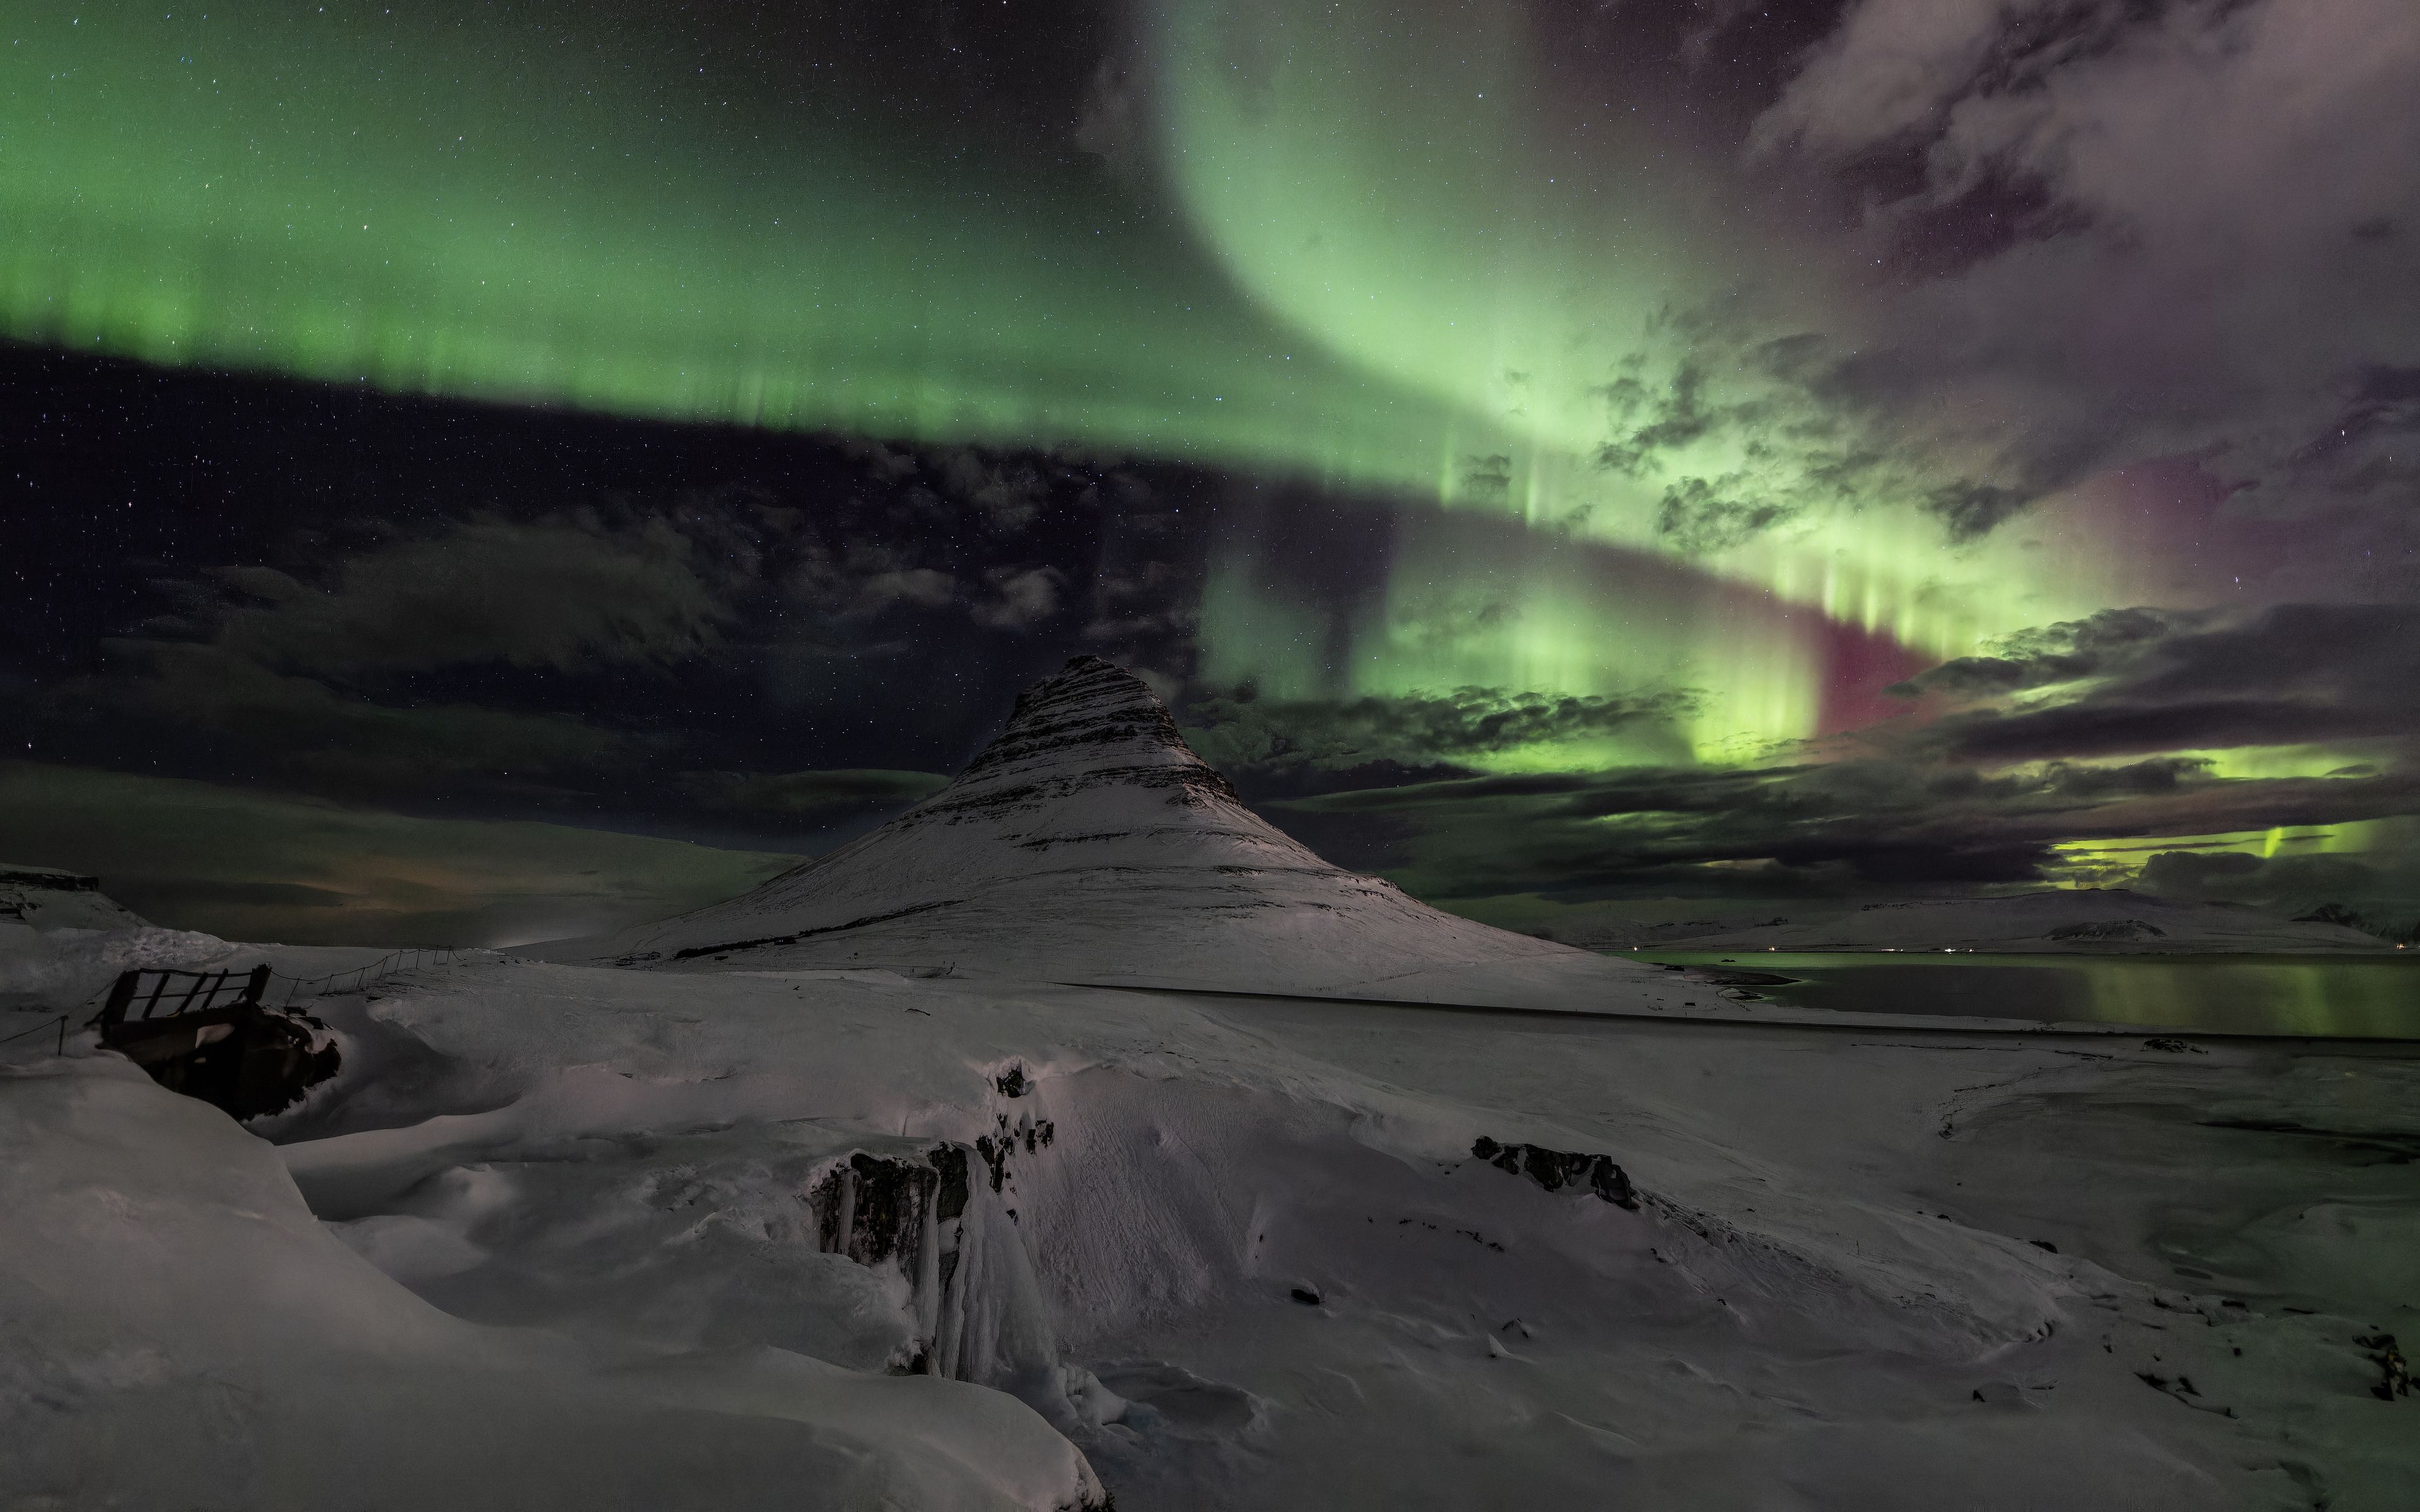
(208, 1034)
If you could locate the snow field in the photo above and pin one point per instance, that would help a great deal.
(1827, 1296)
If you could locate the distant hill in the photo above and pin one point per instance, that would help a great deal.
(2083, 920)
(46, 899)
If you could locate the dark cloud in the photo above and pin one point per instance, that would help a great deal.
(563, 594)
(2107, 728)
(2293, 674)
(1261, 740)
(1009, 490)
(1839, 827)
(2068, 652)
(1647, 421)
(195, 698)
(2088, 213)
(1972, 510)
(1808, 426)
(821, 796)
(1143, 604)
(1697, 520)
(1018, 597)
(1487, 479)
(252, 866)
(577, 658)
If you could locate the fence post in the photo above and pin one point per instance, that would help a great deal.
(120, 996)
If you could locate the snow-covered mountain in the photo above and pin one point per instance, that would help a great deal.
(1088, 842)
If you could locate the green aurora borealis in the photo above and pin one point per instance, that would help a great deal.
(1382, 284)
(1595, 370)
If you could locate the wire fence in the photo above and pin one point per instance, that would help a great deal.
(59, 1024)
(360, 976)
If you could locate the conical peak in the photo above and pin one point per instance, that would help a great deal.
(1094, 684)
(1095, 720)
(1086, 840)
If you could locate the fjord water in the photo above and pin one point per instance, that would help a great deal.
(2376, 996)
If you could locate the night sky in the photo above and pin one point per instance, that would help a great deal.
(474, 473)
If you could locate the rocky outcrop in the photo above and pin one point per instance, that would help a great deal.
(931, 1219)
(1556, 1169)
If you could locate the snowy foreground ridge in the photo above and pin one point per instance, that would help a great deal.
(578, 1229)
(765, 1231)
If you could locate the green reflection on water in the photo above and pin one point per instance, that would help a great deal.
(2359, 996)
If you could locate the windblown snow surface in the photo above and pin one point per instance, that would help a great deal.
(768, 1231)
(62, 939)
(579, 1229)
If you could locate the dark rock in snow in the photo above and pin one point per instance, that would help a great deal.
(872, 1208)
(2395, 1373)
(1555, 1170)
(995, 1157)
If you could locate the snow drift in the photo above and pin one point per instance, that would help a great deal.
(182, 1333)
(62, 939)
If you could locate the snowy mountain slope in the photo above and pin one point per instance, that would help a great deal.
(2082, 920)
(1088, 842)
(1254, 1255)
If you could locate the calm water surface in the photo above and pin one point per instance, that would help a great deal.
(2366, 996)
